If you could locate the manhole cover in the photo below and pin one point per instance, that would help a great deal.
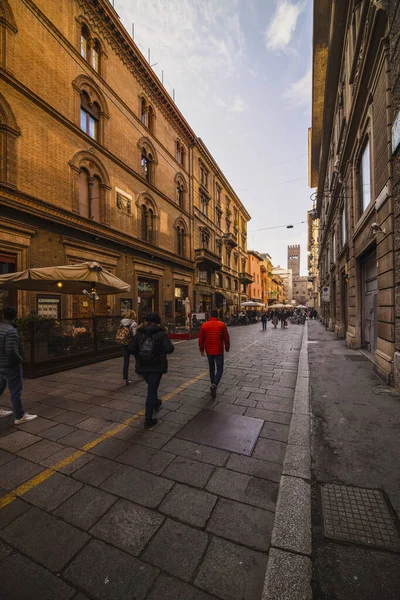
(357, 358)
(358, 515)
(228, 432)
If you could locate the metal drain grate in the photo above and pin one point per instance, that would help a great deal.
(358, 515)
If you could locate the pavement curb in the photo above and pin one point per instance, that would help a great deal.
(288, 575)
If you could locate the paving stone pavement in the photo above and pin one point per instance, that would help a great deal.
(149, 513)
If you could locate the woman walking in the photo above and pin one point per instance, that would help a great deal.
(150, 347)
(125, 335)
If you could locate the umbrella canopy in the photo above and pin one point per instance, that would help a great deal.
(277, 306)
(67, 279)
(251, 303)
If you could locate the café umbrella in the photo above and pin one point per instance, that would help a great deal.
(67, 279)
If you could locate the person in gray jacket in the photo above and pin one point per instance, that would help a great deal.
(10, 367)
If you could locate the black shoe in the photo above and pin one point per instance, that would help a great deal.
(213, 390)
(148, 423)
(159, 405)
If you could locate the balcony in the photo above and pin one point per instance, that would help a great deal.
(230, 240)
(205, 259)
(245, 278)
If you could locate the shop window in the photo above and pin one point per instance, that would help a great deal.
(364, 180)
(90, 116)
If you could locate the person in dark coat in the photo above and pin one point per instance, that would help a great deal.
(150, 347)
(264, 319)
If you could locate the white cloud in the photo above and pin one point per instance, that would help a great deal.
(299, 92)
(283, 25)
(238, 104)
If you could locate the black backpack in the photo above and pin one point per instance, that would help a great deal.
(146, 348)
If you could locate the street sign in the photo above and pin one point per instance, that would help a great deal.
(326, 294)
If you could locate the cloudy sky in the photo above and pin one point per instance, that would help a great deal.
(241, 70)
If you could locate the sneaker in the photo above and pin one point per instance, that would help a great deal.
(148, 423)
(126, 382)
(26, 417)
(5, 413)
(213, 390)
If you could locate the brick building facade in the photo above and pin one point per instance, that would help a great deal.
(97, 162)
(351, 167)
(394, 41)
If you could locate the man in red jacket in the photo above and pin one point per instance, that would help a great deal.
(213, 337)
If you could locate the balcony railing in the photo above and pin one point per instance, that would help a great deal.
(204, 256)
(245, 278)
(230, 240)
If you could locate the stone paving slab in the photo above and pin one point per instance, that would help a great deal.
(38, 535)
(108, 573)
(149, 500)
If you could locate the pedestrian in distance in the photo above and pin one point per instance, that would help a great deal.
(10, 367)
(213, 338)
(125, 334)
(275, 319)
(150, 347)
(264, 319)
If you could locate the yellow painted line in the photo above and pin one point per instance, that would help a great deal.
(50, 471)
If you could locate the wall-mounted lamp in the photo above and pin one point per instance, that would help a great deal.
(375, 229)
(59, 284)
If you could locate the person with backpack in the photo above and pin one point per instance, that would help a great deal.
(213, 338)
(150, 347)
(125, 334)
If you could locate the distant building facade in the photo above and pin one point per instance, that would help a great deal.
(313, 253)
(287, 278)
(255, 288)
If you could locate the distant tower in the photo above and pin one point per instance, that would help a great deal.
(293, 260)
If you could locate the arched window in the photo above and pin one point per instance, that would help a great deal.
(90, 116)
(150, 118)
(180, 238)
(96, 56)
(85, 43)
(143, 109)
(89, 196)
(147, 218)
(179, 193)
(146, 165)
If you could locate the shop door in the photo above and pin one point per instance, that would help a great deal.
(148, 297)
(8, 263)
(370, 286)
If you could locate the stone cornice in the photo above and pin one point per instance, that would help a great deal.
(19, 201)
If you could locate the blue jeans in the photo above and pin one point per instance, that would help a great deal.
(127, 356)
(216, 360)
(13, 377)
(153, 381)
(264, 325)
